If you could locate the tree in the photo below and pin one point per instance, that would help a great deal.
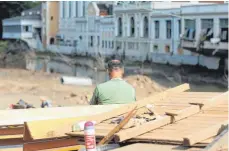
(14, 8)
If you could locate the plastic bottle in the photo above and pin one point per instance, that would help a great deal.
(89, 136)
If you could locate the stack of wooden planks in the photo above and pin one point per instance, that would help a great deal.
(188, 118)
(191, 119)
(12, 122)
(54, 133)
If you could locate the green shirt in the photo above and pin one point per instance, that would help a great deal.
(114, 91)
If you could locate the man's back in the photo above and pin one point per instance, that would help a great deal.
(114, 91)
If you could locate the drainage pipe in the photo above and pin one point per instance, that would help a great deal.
(76, 80)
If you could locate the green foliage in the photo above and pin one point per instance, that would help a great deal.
(3, 46)
(14, 8)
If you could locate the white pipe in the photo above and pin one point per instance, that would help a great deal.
(76, 80)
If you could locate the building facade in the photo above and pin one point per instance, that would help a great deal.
(26, 27)
(50, 22)
(161, 32)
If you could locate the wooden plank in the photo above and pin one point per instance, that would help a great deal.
(11, 131)
(58, 127)
(153, 147)
(70, 148)
(219, 143)
(11, 148)
(11, 140)
(222, 98)
(48, 144)
(117, 128)
(18, 117)
(204, 134)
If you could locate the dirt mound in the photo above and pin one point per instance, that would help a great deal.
(144, 86)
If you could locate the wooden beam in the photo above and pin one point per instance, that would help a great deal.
(58, 127)
(204, 134)
(219, 143)
(70, 148)
(11, 140)
(48, 144)
(11, 131)
(18, 117)
(106, 139)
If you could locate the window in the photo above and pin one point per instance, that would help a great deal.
(179, 27)
(84, 7)
(157, 29)
(63, 9)
(109, 44)
(103, 44)
(224, 30)
(76, 2)
(132, 27)
(207, 28)
(91, 43)
(146, 27)
(27, 28)
(119, 26)
(112, 44)
(69, 9)
(155, 47)
(168, 29)
(167, 48)
(98, 40)
(51, 18)
(52, 40)
(75, 43)
(190, 29)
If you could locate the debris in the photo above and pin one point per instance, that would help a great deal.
(21, 105)
(45, 102)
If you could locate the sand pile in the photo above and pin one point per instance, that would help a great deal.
(144, 86)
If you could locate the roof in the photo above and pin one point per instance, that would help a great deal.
(23, 18)
(27, 16)
(33, 10)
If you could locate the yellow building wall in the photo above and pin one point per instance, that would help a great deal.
(53, 17)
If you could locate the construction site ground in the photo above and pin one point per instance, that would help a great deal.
(18, 84)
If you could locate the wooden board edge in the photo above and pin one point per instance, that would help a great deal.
(204, 134)
(49, 144)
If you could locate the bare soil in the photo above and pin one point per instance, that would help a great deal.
(18, 84)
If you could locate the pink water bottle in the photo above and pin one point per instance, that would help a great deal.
(89, 136)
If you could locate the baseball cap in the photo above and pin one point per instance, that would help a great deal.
(112, 64)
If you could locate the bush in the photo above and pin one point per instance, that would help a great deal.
(3, 46)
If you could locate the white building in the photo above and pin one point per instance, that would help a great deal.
(210, 21)
(100, 28)
(26, 27)
(141, 31)
(141, 28)
(85, 28)
(72, 35)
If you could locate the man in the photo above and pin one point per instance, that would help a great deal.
(116, 90)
